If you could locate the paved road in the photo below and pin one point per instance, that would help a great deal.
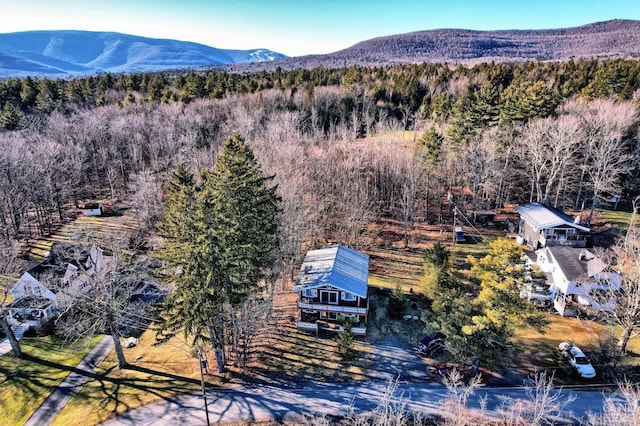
(45, 414)
(266, 402)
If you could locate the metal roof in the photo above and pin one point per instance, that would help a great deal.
(541, 217)
(336, 266)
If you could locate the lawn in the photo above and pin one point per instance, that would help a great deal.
(616, 218)
(540, 350)
(156, 372)
(26, 382)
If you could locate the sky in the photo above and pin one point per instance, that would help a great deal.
(301, 27)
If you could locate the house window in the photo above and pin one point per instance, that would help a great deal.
(348, 297)
(310, 292)
(329, 297)
(329, 315)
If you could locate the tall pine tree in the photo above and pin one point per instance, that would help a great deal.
(222, 239)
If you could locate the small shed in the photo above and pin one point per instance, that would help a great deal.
(93, 209)
(459, 235)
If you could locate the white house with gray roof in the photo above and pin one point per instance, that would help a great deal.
(577, 279)
(543, 226)
(33, 303)
(332, 284)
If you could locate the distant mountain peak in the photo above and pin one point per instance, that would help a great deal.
(72, 52)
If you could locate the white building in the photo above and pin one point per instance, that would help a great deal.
(577, 276)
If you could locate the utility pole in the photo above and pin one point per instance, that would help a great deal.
(202, 364)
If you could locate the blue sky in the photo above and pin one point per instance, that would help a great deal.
(299, 27)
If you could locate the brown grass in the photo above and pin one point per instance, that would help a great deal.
(93, 229)
(289, 355)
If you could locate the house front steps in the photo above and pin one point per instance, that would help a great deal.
(19, 330)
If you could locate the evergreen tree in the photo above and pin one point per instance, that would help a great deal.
(222, 240)
(438, 272)
(481, 327)
(244, 212)
(397, 304)
(525, 101)
(28, 92)
(346, 340)
(10, 117)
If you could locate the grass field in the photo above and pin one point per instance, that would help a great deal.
(156, 372)
(26, 382)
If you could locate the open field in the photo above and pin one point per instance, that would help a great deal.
(26, 382)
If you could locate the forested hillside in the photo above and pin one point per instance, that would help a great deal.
(346, 145)
(611, 39)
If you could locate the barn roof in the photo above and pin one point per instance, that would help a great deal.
(542, 217)
(336, 266)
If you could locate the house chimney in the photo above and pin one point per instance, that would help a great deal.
(583, 255)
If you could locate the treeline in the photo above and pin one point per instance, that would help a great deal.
(346, 146)
(424, 90)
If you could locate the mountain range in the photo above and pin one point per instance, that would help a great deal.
(70, 53)
(610, 39)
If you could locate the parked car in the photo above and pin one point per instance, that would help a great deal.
(577, 359)
(431, 345)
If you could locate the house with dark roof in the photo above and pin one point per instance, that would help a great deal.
(578, 279)
(543, 226)
(332, 286)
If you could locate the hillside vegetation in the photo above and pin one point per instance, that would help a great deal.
(610, 39)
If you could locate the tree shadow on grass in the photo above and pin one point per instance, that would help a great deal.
(116, 394)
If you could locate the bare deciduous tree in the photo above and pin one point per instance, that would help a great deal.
(10, 264)
(106, 296)
(549, 147)
(626, 311)
(623, 411)
(541, 403)
(606, 152)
